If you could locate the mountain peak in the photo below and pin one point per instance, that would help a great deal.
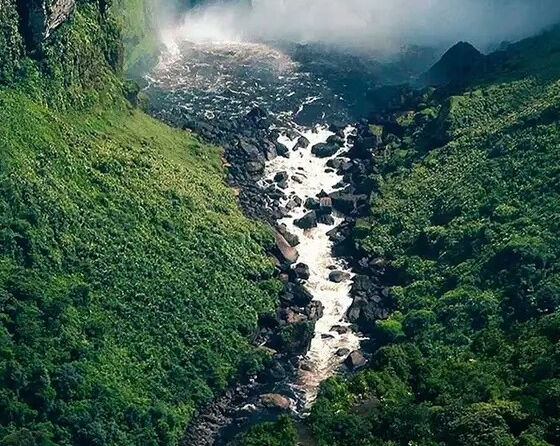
(458, 64)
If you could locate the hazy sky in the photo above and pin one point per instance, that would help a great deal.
(374, 23)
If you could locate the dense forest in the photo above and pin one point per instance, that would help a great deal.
(130, 282)
(465, 217)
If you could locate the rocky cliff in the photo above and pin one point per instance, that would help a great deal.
(38, 18)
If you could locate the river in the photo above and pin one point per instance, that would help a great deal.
(305, 88)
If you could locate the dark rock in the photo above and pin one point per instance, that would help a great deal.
(297, 294)
(292, 239)
(289, 253)
(324, 150)
(297, 179)
(256, 114)
(281, 176)
(291, 205)
(340, 185)
(275, 401)
(362, 285)
(365, 313)
(302, 143)
(355, 360)
(325, 206)
(298, 200)
(459, 64)
(302, 271)
(340, 329)
(282, 150)
(363, 147)
(308, 221)
(338, 276)
(255, 168)
(270, 151)
(341, 352)
(347, 203)
(274, 193)
(249, 151)
(293, 339)
(306, 366)
(337, 126)
(279, 213)
(325, 219)
(276, 372)
(335, 140)
(312, 204)
(314, 310)
(335, 163)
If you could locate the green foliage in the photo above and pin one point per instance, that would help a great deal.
(11, 45)
(129, 280)
(467, 220)
(137, 20)
(277, 433)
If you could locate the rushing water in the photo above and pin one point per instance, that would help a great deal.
(308, 177)
(217, 80)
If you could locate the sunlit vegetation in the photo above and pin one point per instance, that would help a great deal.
(468, 218)
(130, 282)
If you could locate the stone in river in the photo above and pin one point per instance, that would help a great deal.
(308, 221)
(338, 276)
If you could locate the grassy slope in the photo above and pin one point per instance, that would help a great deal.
(472, 233)
(129, 280)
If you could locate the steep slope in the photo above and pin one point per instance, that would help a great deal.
(466, 220)
(130, 282)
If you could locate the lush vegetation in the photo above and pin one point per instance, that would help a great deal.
(130, 283)
(468, 220)
(276, 433)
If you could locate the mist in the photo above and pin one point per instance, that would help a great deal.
(370, 24)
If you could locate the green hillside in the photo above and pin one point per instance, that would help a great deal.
(130, 282)
(468, 219)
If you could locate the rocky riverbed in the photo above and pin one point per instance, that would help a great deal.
(311, 182)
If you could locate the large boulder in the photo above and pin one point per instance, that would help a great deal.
(314, 310)
(296, 294)
(289, 254)
(355, 360)
(275, 401)
(325, 205)
(364, 146)
(292, 239)
(255, 168)
(308, 221)
(365, 312)
(312, 204)
(325, 219)
(301, 271)
(302, 143)
(335, 140)
(338, 276)
(324, 150)
(347, 203)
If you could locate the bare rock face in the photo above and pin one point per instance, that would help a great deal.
(40, 17)
(288, 252)
(274, 400)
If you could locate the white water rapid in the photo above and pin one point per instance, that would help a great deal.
(215, 81)
(309, 175)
